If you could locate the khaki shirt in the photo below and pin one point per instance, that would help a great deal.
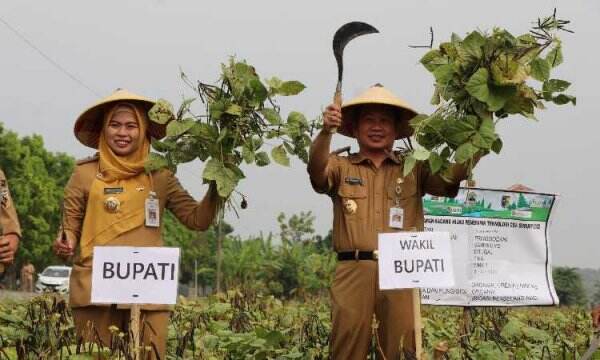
(171, 195)
(355, 180)
(9, 222)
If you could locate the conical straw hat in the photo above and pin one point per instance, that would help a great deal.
(89, 124)
(377, 94)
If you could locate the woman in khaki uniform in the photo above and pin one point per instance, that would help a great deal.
(104, 205)
(10, 230)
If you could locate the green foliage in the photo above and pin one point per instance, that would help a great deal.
(569, 286)
(241, 324)
(482, 78)
(240, 114)
(36, 178)
(596, 295)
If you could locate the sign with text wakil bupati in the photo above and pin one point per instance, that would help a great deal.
(135, 275)
(415, 260)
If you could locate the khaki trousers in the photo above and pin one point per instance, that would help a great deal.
(92, 323)
(356, 298)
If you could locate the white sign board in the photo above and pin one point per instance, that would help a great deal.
(135, 275)
(500, 246)
(415, 260)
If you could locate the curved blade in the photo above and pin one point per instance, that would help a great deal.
(343, 36)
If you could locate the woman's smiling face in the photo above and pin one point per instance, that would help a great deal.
(123, 132)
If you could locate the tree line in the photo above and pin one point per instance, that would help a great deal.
(295, 261)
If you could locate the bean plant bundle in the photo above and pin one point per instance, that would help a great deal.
(241, 118)
(481, 79)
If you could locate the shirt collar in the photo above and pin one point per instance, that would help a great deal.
(358, 158)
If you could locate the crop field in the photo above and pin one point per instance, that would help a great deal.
(246, 325)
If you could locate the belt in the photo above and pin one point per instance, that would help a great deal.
(357, 255)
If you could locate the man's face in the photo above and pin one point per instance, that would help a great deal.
(122, 133)
(376, 128)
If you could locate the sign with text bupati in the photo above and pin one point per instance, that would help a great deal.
(500, 246)
(135, 275)
(415, 260)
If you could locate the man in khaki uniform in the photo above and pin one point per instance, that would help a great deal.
(9, 225)
(366, 188)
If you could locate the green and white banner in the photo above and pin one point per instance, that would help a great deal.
(500, 246)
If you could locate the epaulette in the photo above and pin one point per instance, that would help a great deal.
(341, 150)
(88, 159)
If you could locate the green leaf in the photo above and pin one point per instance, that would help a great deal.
(499, 95)
(280, 156)
(460, 130)
(274, 83)
(409, 165)
(234, 109)
(177, 128)
(226, 179)
(473, 43)
(563, 99)
(443, 74)
(259, 91)
(465, 152)
(555, 56)
(540, 69)
(487, 133)
(163, 146)
(507, 71)
(435, 162)
(421, 154)
(555, 85)
(248, 154)
(262, 158)
(435, 98)
(155, 161)
(497, 146)
(217, 108)
(290, 88)
(477, 86)
(416, 121)
(433, 59)
(271, 115)
(161, 112)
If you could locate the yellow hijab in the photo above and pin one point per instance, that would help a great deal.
(121, 178)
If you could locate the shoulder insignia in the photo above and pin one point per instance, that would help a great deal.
(341, 150)
(88, 159)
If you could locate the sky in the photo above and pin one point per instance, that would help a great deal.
(141, 45)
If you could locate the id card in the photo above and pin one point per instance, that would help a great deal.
(152, 212)
(396, 218)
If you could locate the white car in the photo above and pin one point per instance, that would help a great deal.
(54, 279)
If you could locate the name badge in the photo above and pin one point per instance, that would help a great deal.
(115, 190)
(396, 218)
(353, 180)
(152, 212)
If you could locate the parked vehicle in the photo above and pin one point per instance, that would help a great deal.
(54, 279)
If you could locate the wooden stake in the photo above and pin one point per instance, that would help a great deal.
(135, 331)
(418, 323)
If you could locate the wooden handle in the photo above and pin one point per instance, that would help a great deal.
(337, 99)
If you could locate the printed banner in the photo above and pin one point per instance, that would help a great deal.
(500, 247)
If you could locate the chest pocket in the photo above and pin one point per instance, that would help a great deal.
(353, 199)
(408, 190)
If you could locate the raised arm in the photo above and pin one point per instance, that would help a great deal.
(447, 184)
(319, 159)
(196, 215)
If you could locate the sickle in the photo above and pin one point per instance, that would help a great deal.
(341, 38)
